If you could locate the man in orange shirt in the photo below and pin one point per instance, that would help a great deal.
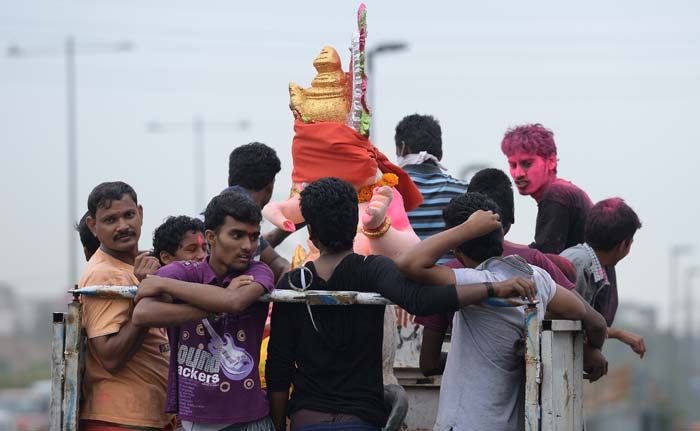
(126, 366)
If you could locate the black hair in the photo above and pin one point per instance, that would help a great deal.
(104, 193)
(329, 206)
(253, 166)
(167, 236)
(420, 133)
(459, 210)
(237, 205)
(610, 222)
(495, 184)
(87, 239)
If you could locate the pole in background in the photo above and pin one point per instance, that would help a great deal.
(199, 126)
(69, 52)
(381, 48)
(675, 252)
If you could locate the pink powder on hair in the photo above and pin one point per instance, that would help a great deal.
(529, 138)
(200, 240)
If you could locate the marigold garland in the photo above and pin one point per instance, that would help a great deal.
(365, 193)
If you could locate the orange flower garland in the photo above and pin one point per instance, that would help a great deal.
(365, 193)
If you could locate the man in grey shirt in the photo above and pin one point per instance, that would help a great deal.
(609, 234)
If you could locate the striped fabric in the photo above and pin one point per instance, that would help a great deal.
(437, 189)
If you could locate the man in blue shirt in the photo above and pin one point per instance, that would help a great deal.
(418, 141)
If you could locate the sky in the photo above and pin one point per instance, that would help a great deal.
(617, 83)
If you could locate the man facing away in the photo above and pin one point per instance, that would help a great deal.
(609, 235)
(561, 206)
(213, 381)
(89, 242)
(126, 365)
(418, 140)
(251, 170)
(483, 385)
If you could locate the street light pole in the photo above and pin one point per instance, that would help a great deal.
(675, 253)
(72, 156)
(69, 53)
(199, 161)
(381, 48)
(198, 127)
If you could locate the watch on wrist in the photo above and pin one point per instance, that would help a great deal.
(489, 289)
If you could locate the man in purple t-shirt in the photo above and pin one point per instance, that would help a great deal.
(215, 322)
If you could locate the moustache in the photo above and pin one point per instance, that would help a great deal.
(126, 234)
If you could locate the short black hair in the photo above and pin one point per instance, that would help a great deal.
(495, 184)
(420, 133)
(168, 235)
(104, 193)
(253, 166)
(610, 222)
(329, 206)
(237, 205)
(459, 210)
(87, 239)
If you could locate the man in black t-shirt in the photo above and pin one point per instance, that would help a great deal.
(562, 207)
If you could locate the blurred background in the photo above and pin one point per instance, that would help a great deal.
(158, 93)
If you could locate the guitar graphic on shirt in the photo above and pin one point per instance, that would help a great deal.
(236, 363)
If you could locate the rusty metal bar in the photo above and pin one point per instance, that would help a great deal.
(71, 355)
(313, 297)
(57, 372)
(532, 369)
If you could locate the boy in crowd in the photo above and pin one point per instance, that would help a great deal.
(484, 375)
(418, 140)
(561, 206)
(496, 185)
(609, 234)
(179, 238)
(251, 170)
(213, 382)
(126, 365)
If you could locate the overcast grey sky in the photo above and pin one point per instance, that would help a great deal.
(618, 83)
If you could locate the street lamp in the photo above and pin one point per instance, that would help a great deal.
(197, 127)
(69, 53)
(382, 48)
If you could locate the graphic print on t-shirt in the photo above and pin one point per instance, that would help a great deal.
(235, 362)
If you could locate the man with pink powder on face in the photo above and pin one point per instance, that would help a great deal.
(562, 207)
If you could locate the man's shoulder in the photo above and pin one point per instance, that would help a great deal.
(106, 273)
(577, 255)
(566, 193)
(262, 274)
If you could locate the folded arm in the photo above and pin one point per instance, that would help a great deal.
(239, 295)
(156, 312)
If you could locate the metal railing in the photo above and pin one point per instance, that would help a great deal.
(553, 392)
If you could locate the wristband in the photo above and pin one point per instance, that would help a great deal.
(489, 289)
